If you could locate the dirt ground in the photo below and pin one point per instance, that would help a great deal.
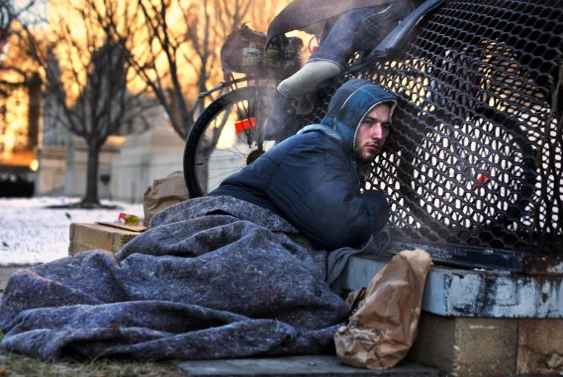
(12, 365)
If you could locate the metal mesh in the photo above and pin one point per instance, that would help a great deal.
(475, 154)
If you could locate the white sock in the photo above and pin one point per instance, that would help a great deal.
(306, 79)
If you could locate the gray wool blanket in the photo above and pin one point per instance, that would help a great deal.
(212, 277)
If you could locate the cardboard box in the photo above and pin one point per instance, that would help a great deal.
(106, 236)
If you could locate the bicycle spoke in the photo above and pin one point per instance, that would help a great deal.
(226, 137)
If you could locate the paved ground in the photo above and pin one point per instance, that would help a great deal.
(303, 366)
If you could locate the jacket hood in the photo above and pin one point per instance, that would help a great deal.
(348, 106)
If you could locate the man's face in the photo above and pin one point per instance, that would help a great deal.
(372, 133)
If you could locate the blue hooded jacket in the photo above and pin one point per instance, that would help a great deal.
(312, 180)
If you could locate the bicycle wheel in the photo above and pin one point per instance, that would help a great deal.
(226, 137)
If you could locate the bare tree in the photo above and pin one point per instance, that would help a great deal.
(10, 11)
(182, 56)
(87, 76)
(189, 46)
(6, 17)
(13, 74)
(10, 17)
(19, 75)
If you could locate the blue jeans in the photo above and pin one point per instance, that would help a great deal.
(360, 30)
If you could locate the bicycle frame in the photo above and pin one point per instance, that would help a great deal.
(247, 121)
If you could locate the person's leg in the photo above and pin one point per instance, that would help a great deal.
(354, 30)
(330, 58)
(281, 117)
(374, 27)
(328, 61)
(283, 113)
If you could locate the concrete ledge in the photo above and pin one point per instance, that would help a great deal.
(482, 323)
(86, 236)
(470, 293)
(489, 347)
(466, 347)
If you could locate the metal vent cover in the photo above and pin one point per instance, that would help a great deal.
(475, 152)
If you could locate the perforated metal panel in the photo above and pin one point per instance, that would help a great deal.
(475, 154)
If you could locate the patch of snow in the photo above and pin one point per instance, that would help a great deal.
(32, 234)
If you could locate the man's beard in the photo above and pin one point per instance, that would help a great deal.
(364, 158)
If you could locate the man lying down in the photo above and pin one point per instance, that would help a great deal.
(244, 271)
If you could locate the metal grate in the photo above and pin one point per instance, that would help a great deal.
(475, 155)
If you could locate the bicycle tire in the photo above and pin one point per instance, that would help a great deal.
(205, 164)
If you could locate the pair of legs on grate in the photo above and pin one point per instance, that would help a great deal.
(355, 30)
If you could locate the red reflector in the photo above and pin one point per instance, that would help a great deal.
(245, 124)
(482, 179)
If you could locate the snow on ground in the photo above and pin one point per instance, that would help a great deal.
(32, 234)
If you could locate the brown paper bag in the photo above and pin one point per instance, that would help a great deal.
(164, 193)
(381, 331)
